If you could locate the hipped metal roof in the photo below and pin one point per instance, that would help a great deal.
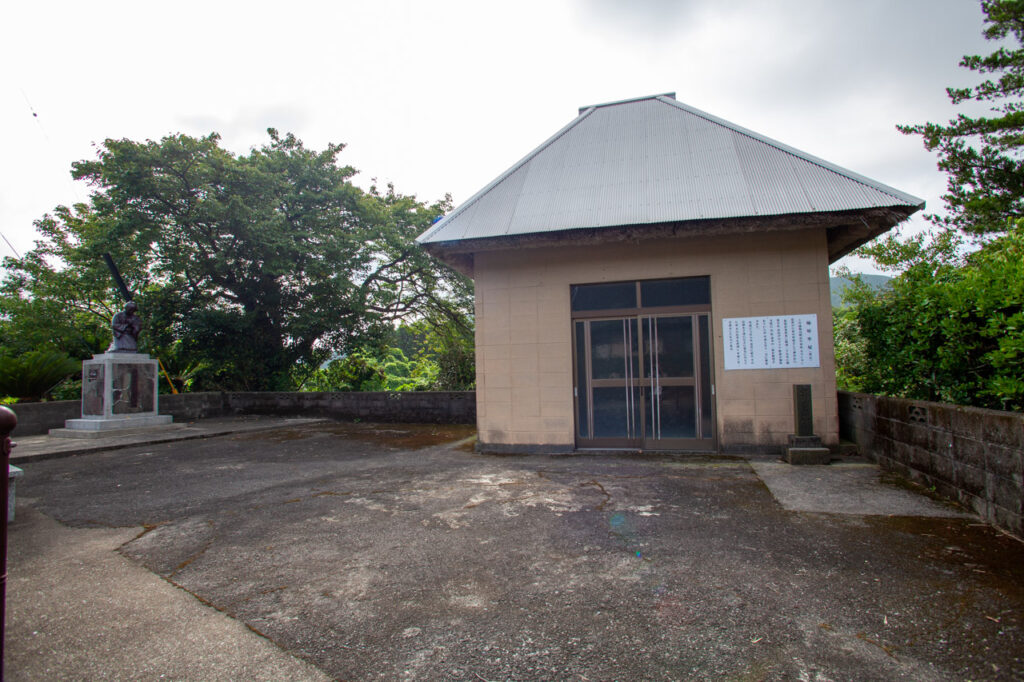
(656, 160)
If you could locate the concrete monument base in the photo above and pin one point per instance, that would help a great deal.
(119, 391)
(808, 455)
(806, 450)
(99, 428)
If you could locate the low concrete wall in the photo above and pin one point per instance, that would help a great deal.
(191, 406)
(447, 407)
(967, 454)
(36, 418)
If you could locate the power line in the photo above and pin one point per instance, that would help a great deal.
(11, 246)
(35, 116)
(54, 158)
(46, 149)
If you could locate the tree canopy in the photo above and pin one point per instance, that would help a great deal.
(247, 268)
(982, 155)
(949, 328)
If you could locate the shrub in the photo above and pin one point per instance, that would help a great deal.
(33, 375)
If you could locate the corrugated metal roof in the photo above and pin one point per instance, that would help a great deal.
(655, 160)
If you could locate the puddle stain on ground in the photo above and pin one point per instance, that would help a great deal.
(993, 557)
(894, 480)
(397, 436)
(981, 579)
(282, 435)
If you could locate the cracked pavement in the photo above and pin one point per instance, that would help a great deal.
(377, 552)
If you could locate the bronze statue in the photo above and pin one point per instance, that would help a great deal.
(126, 326)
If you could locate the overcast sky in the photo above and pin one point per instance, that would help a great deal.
(442, 96)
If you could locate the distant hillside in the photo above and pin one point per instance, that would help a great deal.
(838, 284)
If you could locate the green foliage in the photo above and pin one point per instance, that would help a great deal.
(404, 374)
(850, 351)
(54, 298)
(949, 328)
(423, 355)
(31, 376)
(448, 344)
(182, 370)
(387, 370)
(456, 361)
(357, 372)
(69, 389)
(244, 267)
(982, 155)
(456, 368)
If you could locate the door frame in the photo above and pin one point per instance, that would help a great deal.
(702, 393)
(699, 441)
(627, 383)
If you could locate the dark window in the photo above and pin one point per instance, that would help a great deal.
(672, 340)
(611, 415)
(657, 293)
(706, 377)
(613, 296)
(581, 381)
(613, 349)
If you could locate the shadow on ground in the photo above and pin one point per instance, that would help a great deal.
(374, 552)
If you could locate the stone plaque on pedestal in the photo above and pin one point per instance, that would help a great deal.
(803, 414)
(119, 391)
(804, 446)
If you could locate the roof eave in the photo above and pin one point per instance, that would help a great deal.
(459, 261)
(846, 237)
(846, 230)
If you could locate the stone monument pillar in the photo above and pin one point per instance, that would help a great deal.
(804, 447)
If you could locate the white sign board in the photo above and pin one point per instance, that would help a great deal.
(777, 342)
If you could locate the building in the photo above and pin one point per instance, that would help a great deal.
(655, 278)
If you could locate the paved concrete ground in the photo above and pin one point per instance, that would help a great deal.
(78, 610)
(848, 487)
(371, 552)
(35, 448)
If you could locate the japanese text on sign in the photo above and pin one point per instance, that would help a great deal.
(776, 342)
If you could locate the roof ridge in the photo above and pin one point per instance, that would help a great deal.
(670, 95)
(793, 151)
(502, 177)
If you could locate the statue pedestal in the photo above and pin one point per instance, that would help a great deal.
(119, 391)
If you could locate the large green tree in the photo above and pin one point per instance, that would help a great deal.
(247, 266)
(982, 155)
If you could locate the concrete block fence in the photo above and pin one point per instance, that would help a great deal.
(36, 418)
(967, 454)
(439, 407)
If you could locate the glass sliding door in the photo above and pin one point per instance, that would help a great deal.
(607, 367)
(644, 380)
(672, 375)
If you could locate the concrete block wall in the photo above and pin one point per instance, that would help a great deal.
(37, 418)
(191, 406)
(967, 454)
(442, 407)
